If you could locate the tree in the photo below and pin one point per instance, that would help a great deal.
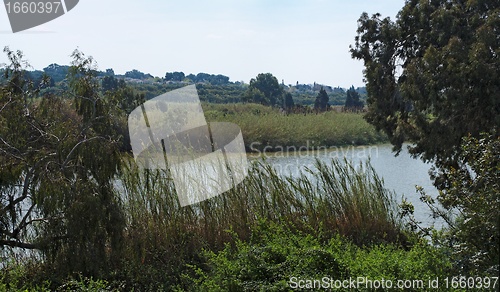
(109, 83)
(56, 72)
(321, 103)
(352, 100)
(118, 92)
(110, 72)
(432, 79)
(58, 161)
(174, 76)
(474, 191)
(432, 75)
(289, 104)
(136, 74)
(219, 80)
(209, 78)
(265, 89)
(203, 77)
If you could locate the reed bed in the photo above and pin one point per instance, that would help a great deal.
(337, 198)
(264, 126)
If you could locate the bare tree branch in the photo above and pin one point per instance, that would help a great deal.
(76, 146)
(15, 243)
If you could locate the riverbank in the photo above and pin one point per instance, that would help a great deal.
(264, 234)
(267, 129)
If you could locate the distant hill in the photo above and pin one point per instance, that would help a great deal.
(214, 88)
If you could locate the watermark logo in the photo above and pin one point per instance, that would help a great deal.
(204, 159)
(26, 14)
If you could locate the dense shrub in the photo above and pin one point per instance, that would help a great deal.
(277, 256)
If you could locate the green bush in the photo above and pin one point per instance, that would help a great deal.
(277, 253)
(472, 193)
(19, 277)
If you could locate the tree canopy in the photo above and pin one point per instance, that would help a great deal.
(136, 74)
(433, 79)
(265, 89)
(433, 74)
(174, 76)
(58, 160)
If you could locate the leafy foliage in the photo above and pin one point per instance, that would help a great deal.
(473, 190)
(175, 76)
(432, 75)
(276, 256)
(209, 79)
(433, 80)
(58, 159)
(264, 89)
(136, 74)
(56, 72)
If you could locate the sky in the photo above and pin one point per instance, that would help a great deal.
(295, 40)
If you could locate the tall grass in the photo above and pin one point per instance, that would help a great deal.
(265, 126)
(162, 241)
(338, 198)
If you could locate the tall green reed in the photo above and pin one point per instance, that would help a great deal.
(266, 126)
(336, 197)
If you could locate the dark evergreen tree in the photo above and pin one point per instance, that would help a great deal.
(353, 101)
(321, 102)
(289, 104)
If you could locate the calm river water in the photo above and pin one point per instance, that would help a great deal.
(401, 173)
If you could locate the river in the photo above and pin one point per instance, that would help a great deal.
(400, 174)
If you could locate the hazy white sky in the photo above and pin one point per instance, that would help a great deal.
(296, 40)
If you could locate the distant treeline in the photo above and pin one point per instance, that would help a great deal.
(213, 88)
